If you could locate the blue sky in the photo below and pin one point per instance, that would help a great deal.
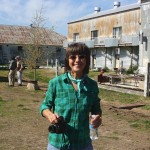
(57, 12)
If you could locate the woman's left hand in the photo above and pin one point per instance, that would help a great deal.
(96, 121)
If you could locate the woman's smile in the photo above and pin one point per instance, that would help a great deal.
(77, 63)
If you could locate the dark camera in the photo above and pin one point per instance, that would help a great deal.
(59, 127)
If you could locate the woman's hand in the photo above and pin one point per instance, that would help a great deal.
(95, 120)
(51, 117)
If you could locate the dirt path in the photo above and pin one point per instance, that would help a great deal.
(22, 128)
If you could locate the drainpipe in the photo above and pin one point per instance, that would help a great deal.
(141, 48)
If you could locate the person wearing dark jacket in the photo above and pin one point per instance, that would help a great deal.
(12, 71)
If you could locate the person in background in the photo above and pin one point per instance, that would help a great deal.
(19, 70)
(72, 96)
(100, 76)
(12, 71)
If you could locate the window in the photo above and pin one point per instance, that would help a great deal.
(58, 49)
(117, 32)
(94, 34)
(20, 48)
(75, 37)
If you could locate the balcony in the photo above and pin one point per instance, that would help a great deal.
(111, 42)
(99, 41)
(124, 40)
(132, 40)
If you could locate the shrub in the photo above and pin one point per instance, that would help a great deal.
(106, 69)
(132, 69)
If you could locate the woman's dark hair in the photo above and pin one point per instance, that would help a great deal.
(78, 49)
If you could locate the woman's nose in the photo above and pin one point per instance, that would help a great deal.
(77, 58)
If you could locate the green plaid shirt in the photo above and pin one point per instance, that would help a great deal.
(74, 109)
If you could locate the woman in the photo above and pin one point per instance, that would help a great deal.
(19, 70)
(73, 95)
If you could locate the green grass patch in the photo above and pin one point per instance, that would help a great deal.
(26, 109)
(118, 96)
(20, 105)
(141, 124)
(36, 101)
(147, 107)
(93, 74)
(11, 108)
(42, 75)
(2, 101)
(147, 124)
(3, 73)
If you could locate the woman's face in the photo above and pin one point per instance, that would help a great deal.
(77, 63)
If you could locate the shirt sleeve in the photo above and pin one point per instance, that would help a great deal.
(21, 65)
(96, 108)
(10, 64)
(48, 102)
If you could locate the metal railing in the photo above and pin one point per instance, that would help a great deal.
(108, 41)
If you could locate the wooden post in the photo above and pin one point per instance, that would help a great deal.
(147, 81)
(47, 62)
(56, 67)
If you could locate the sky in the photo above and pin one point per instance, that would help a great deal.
(57, 13)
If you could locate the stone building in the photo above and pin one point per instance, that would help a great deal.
(112, 35)
(14, 38)
(144, 34)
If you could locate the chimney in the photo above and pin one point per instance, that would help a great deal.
(96, 9)
(116, 4)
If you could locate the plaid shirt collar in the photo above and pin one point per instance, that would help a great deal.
(67, 80)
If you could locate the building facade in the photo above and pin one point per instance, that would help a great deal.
(112, 36)
(13, 41)
(144, 34)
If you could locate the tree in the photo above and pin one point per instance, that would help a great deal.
(33, 48)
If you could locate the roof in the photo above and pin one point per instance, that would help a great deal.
(22, 34)
(108, 12)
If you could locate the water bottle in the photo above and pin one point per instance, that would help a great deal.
(93, 131)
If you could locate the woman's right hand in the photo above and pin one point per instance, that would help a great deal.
(51, 117)
(96, 120)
